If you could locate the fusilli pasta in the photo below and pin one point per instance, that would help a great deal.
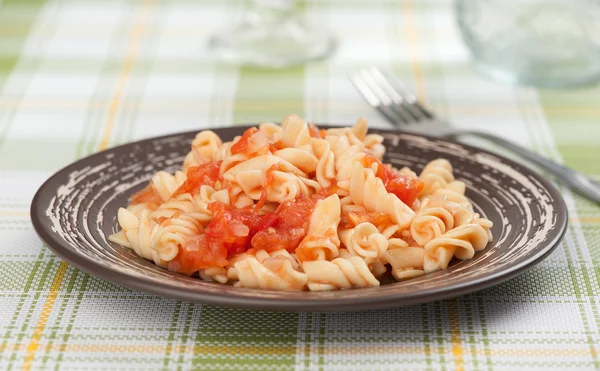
(294, 207)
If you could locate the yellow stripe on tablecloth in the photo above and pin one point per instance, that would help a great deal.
(136, 35)
(330, 350)
(413, 43)
(14, 213)
(130, 59)
(46, 310)
(457, 349)
(160, 349)
(457, 109)
(585, 219)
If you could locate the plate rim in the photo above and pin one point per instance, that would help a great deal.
(354, 303)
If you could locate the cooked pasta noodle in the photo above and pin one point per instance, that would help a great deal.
(340, 273)
(278, 270)
(365, 241)
(295, 207)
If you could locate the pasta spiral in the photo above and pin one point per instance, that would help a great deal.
(431, 221)
(321, 241)
(172, 233)
(166, 184)
(406, 261)
(205, 145)
(295, 133)
(368, 191)
(137, 234)
(364, 241)
(325, 171)
(275, 271)
(461, 242)
(339, 273)
(435, 175)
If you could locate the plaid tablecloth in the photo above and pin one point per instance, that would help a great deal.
(80, 76)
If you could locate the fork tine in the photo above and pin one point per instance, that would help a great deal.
(410, 98)
(374, 101)
(401, 105)
(386, 99)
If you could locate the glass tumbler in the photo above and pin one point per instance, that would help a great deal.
(545, 43)
(271, 34)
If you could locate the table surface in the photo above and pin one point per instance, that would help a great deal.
(77, 77)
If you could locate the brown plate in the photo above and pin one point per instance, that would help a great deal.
(75, 210)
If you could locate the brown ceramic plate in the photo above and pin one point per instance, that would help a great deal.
(76, 209)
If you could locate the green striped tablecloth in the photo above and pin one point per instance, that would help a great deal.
(80, 76)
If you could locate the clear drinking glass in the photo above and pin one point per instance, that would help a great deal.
(546, 43)
(270, 34)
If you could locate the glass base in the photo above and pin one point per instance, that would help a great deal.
(546, 66)
(272, 44)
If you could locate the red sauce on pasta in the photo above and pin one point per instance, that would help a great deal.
(147, 195)
(405, 187)
(290, 228)
(350, 219)
(226, 235)
(197, 176)
(267, 182)
(315, 132)
(242, 144)
(234, 231)
(274, 147)
(323, 193)
(306, 253)
(198, 253)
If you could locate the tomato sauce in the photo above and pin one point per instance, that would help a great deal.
(350, 219)
(323, 193)
(242, 144)
(315, 132)
(274, 147)
(197, 176)
(406, 188)
(198, 253)
(305, 253)
(290, 228)
(267, 182)
(147, 195)
(234, 231)
(228, 234)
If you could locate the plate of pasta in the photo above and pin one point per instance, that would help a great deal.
(300, 217)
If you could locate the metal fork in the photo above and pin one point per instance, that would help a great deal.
(385, 92)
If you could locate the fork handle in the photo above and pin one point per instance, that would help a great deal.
(579, 182)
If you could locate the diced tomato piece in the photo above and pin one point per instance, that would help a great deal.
(242, 144)
(290, 229)
(323, 193)
(267, 221)
(161, 219)
(147, 195)
(274, 147)
(198, 253)
(315, 132)
(351, 219)
(225, 223)
(368, 160)
(406, 188)
(197, 176)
